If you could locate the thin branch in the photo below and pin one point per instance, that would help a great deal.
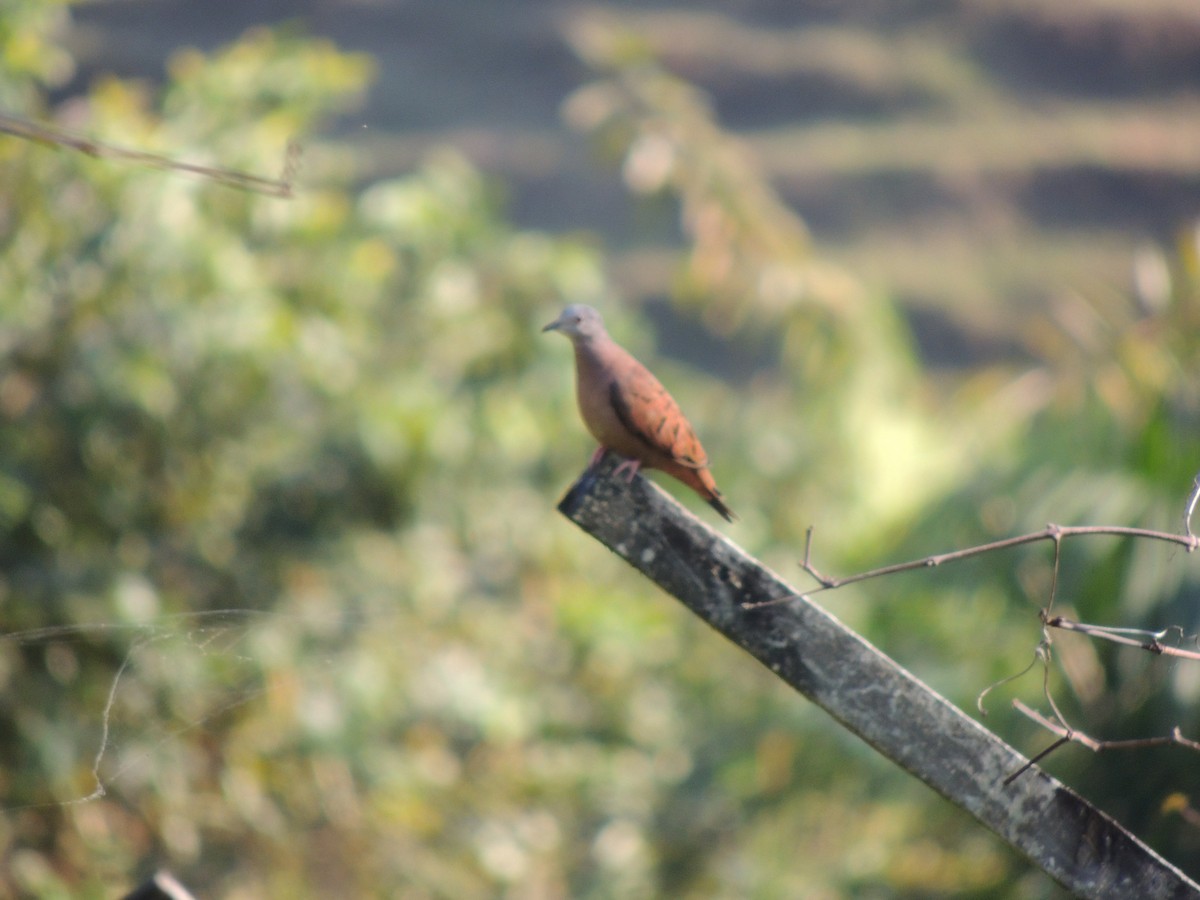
(1057, 538)
(1122, 636)
(1034, 760)
(1071, 735)
(1051, 532)
(1058, 713)
(49, 134)
(1039, 655)
(1190, 506)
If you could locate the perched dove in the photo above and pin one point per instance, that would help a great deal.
(629, 412)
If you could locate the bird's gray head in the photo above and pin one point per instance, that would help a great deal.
(578, 322)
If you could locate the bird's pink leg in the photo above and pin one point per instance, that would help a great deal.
(631, 466)
(597, 456)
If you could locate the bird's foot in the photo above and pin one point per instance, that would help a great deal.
(631, 466)
(597, 456)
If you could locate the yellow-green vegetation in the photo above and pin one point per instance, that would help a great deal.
(285, 606)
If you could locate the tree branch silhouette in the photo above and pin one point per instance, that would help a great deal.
(42, 133)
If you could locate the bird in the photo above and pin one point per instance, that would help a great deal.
(629, 411)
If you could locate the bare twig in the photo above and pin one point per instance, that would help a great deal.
(1067, 734)
(1057, 538)
(1126, 636)
(1051, 532)
(1190, 506)
(1039, 656)
(1058, 713)
(49, 134)
(1059, 725)
(1034, 760)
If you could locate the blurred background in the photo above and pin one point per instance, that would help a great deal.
(285, 605)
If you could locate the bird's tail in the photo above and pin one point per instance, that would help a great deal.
(718, 504)
(706, 486)
(702, 482)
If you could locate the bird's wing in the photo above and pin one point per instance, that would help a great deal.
(650, 413)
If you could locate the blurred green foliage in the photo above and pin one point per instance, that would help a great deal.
(287, 609)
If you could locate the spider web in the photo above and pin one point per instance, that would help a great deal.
(133, 724)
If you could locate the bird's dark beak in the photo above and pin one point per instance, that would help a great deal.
(553, 326)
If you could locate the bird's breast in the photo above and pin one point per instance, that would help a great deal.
(593, 387)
